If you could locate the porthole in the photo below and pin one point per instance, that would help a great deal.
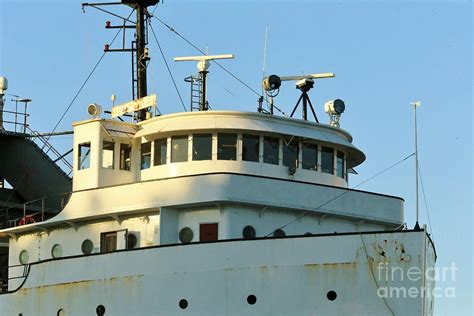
(61, 312)
(331, 295)
(183, 304)
(131, 241)
(87, 246)
(24, 257)
(57, 251)
(279, 233)
(251, 299)
(248, 232)
(100, 310)
(186, 235)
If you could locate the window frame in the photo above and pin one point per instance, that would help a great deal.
(286, 150)
(186, 148)
(222, 155)
(123, 162)
(306, 145)
(112, 143)
(330, 150)
(254, 137)
(195, 153)
(158, 159)
(144, 155)
(81, 159)
(266, 159)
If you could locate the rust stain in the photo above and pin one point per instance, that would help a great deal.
(60, 287)
(331, 265)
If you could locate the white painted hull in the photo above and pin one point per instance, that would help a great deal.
(288, 276)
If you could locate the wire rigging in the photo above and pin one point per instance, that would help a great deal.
(169, 27)
(426, 203)
(167, 67)
(85, 82)
(343, 193)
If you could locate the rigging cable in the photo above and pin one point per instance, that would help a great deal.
(426, 203)
(215, 62)
(167, 67)
(342, 194)
(85, 82)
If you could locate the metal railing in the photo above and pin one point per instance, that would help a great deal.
(32, 211)
(17, 121)
(5, 278)
(46, 147)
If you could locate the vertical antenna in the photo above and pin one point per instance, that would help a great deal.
(264, 54)
(415, 105)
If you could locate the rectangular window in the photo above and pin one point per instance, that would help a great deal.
(179, 149)
(250, 147)
(125, 157)
(271, 150)
(340, 164)
(226, 146)
(146, 156)
(84, 158)
(309, 156)
(108, 242)
(208, 232)
(160, 152)
(108, 155)
(202, 146)
(327, 160)
(290, 153)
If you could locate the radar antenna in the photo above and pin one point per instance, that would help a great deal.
(203, 69)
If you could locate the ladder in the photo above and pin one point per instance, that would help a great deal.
(196, 92)
(134, 75)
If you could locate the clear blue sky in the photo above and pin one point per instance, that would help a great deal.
(385, 54)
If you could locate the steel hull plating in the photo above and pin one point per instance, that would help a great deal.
(288, 276)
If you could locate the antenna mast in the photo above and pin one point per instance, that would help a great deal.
(415, 105)
(138, 49)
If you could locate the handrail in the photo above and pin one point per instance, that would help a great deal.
(49, 147)
(20, 123)
(4, 286)
(13, 222)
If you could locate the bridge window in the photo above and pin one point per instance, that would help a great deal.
(160, 152)
(146, 155)
(226, 146)
(202, 146)
(179, 149)
(250, 147)
(125, 157)
(271, 152)
(108, 155)
(310, 156)
(340, 164)
(84, 158)
(290, 153)
(327, 160)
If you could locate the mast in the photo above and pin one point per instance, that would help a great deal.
(138, 48)
(415, 105)
(140, 56)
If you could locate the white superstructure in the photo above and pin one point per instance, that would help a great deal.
(247, 203)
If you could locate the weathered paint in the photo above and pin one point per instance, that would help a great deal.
(151, 281)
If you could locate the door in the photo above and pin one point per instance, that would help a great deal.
(208, 232)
